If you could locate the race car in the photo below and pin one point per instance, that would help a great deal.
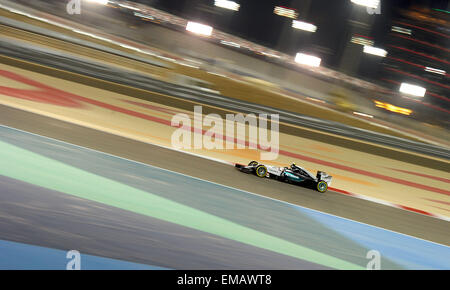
(292, 174)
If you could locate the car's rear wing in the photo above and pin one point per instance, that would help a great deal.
(324, 176)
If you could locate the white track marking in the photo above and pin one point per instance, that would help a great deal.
(212, 182)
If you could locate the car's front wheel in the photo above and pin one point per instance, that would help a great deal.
(261, 171)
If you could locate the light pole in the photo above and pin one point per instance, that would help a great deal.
(360, 22)
(287, 40)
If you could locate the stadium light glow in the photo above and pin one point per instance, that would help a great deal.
(435, 70)
(143, 16)
(413, 90)
(401, 30)
(198, 28)
(307, 59)
(392, 108)
(441, 10)
(304, 26)
(363, 115)
(230, 43)
(102, 2)
(361, 40)
(270, 54)
(368, 3)
(375, 51)
(315, 100)
(285, 12)
(231, 5)
(129, 7)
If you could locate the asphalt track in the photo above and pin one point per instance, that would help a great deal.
(69, 195)
(356, 209)
(53, 220)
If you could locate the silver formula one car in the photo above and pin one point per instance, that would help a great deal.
(293, 174)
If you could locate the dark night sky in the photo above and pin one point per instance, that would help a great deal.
(256, 22)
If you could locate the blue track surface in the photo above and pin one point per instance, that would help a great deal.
(19, 256)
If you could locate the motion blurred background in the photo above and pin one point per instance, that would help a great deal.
(258, 42)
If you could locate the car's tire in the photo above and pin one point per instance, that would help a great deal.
(322, 186)
(253, 163)
(261, 171)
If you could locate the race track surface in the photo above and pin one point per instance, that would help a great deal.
(65, 197)
(365, 211)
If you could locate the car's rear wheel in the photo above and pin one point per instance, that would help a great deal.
(261, 171)
(322, 186)
(253, 163)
